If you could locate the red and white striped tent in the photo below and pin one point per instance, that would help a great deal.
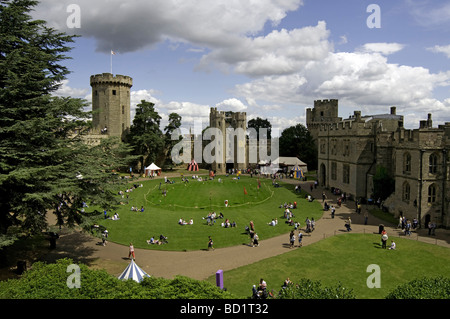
(192, 166)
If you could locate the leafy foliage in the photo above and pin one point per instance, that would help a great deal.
(44, 163)
(49, 281)
(311, 289)
(296, 141)
(383, 183)
(423, 288)
(145, 136)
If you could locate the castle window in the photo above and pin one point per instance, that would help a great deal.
(322, 146)
(407, 163)
(333, 170)
(406, 191)
(123, 109)
(114, 92)
(432, 164)
(96, 93)
(432, 193)
(346, 173)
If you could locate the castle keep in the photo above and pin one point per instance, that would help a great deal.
(231, 150)
(350, 151)
(110, 104)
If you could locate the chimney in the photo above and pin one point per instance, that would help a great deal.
(393, 110)
(429, 121)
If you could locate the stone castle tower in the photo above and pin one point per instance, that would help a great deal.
(233, 152)
(110, 104)
(324, 112)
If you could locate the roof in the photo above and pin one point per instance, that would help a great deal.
(290, 161)
(134, 272)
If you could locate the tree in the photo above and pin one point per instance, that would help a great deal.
(260, 123)
(44, 163)
(173, 125)
(296, 141)
(49, 281)
(383, 183)
(145, 136)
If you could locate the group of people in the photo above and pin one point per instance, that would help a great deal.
(292, 238)
(211, 218)
(181, 221)
(254, 238)
(384, 238)
(406, 225)
(153, 241)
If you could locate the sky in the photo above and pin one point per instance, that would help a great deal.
(268, 58)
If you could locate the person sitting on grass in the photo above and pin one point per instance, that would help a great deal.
(393, 246)
(153, 241)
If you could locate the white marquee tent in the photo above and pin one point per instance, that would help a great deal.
(134, 272)
(152, 170)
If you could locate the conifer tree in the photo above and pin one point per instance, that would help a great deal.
(44, 163)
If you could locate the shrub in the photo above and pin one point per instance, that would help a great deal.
(310, 289)
(49, 281)
(423, 288)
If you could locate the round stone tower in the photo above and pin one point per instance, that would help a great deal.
(111, 104)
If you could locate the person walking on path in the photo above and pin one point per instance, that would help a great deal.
(300, 237)
(348, 224)
(291, 239)
(210, 243)
(131, 252)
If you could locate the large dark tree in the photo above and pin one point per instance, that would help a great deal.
(296, 141)
(260, 123)
(44, 163)
(173, 125)
(145, 136)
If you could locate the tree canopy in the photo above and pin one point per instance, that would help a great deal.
(45, 165)
(296, 141)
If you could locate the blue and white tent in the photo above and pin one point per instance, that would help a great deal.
(134, 272)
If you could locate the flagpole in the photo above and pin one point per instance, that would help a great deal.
(111, 54)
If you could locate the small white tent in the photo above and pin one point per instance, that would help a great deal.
(134, 272)
(152, 170)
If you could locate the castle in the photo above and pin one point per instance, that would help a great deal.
(111, 103)
(350, 151)
(230, 152)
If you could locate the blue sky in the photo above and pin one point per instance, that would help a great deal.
(269, 58)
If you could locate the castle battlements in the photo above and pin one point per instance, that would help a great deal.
(110, 79)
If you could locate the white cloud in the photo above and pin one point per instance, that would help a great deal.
(232, 104)
(66, 90)
(441, 49)
(382, 48)
(134, 25)
(279, 52)
(357, 79)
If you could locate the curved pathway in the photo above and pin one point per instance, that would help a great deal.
(203, 264)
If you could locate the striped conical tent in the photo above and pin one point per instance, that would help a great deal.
(134, 272)
(192, 166)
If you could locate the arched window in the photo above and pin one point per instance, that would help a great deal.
(433, 164)
(406, 191)
(432, 191)
(407, 163)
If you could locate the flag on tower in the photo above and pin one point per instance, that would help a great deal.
(113, 53)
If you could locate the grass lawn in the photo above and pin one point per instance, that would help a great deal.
(344, 258)
(195, 200)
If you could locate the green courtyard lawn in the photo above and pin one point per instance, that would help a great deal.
(195, 200)
(344, 258)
